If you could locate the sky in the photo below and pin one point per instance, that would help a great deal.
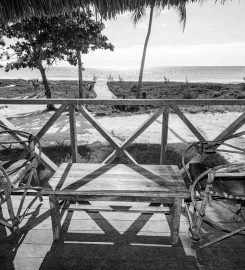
(214, 36)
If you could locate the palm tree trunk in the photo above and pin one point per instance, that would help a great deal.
(80, 74)
(144, 53)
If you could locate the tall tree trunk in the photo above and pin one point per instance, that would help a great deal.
(80, 74)
(144, 53)
(46, 85)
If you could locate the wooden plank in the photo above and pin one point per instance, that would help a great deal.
(117, 183)
(98, 127)
(111, 157)
(187, 123)
(136, 102)
(130, 157)
(164, 139)
(176, 212)
(51, 121)
(98, 168)
(232, 128)
(79, 174)
(231, 175)
(91, 208)
(55, 216)
(48, 163)
(73, 133)
(114, 193)
(142, 128)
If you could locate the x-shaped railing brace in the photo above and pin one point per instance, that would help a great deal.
(119, 149)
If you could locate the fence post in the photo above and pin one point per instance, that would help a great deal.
(164, 139)
(73, 133)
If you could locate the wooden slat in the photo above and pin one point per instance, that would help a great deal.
(119, 195)
(108, 180)
(187, 122)
(91, 208)
(55, 216)
(232, 128)
(164, 139)
(98, 127)
(51, 121)
(73, 133)
(127, 175)
(136, 102)
(142, 128)
(114, 182)
(130, 157)
(231, 175)
(111, 157)
(117, 168)
(48, 163)
(176, 212)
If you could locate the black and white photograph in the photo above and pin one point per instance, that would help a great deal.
(122, 135)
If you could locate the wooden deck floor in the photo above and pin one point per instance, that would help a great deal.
(115, 240)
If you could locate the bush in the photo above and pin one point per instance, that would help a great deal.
(188, 95)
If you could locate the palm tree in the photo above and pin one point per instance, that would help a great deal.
(137, 16)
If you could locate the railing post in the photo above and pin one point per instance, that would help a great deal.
(73, 133)
(164, 139)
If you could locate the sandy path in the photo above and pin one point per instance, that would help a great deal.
(102, 90)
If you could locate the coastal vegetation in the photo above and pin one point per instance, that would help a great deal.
(12, 88)
(18, 88)
(180, 90)
(41, 42)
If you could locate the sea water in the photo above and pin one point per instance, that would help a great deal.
(222, 74)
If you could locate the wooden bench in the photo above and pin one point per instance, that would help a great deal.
(117, 182)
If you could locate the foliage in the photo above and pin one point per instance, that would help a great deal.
(78, 31)
(42, 41)
(30, 49)
(53, 38)
(110, 78)
(166, 80)
(11, 10)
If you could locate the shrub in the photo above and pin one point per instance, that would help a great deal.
(110, 78)
(188, 94)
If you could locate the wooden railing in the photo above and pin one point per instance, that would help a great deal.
(165, 106)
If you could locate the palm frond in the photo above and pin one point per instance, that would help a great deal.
(182, 14)
(138, 14)
(12, 10)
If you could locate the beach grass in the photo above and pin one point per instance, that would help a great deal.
(180, 90)
(65, 89)
(18, 88)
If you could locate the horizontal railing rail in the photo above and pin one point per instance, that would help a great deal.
(163, 108)
(136, 102)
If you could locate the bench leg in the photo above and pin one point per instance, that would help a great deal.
(175, 221)
(55, 216)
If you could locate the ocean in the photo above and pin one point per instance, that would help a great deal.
(221, 74)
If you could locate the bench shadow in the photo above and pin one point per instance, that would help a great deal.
(113, 249)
